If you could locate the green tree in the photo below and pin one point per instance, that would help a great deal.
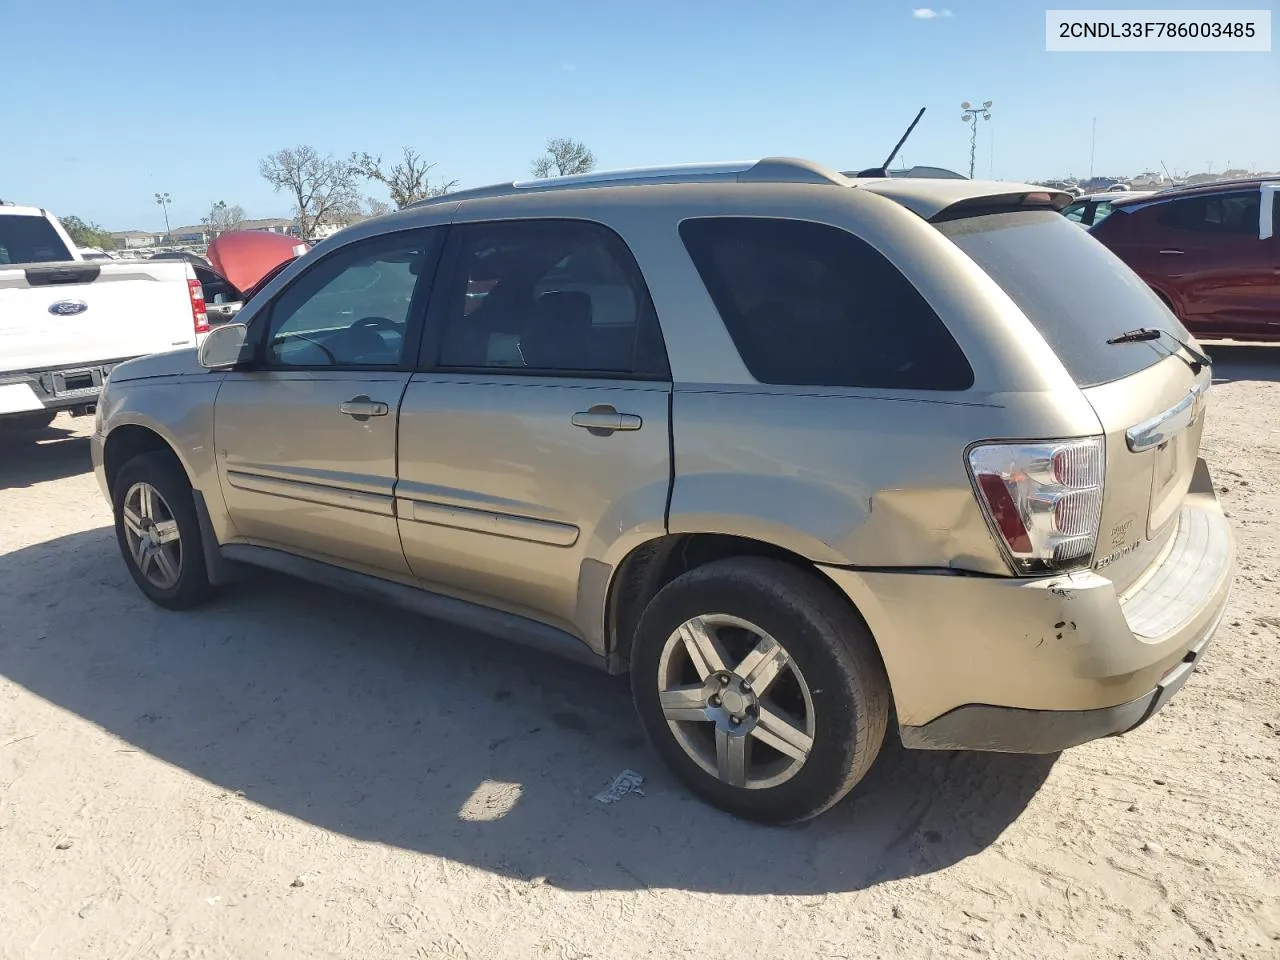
(85, 233)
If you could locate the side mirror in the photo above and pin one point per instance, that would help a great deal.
(225, 347)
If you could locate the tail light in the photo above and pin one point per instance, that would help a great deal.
(1043, 500)
(199, 316)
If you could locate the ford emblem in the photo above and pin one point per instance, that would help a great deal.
(68, 308)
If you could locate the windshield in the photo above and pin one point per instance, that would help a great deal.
(1073, 289)
(29, 239)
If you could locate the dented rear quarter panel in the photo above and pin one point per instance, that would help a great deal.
(849, 477)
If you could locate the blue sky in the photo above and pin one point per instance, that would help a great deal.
(127, 99)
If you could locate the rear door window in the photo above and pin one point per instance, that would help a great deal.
(1074, 290)
(810, 304)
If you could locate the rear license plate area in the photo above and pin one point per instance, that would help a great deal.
(74, 383)
(1174, 464)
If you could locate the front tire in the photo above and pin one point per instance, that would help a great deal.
(158, 531)
(761, 687)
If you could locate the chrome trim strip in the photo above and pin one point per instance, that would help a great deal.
(313, 493)
(1150, 434)
(485, 521)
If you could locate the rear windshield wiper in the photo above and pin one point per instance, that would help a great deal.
(1153, 333)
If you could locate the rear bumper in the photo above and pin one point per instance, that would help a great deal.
(56, 388)
(1037, 665)
(1016, 730)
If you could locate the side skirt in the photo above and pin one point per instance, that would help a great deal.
(497, 623)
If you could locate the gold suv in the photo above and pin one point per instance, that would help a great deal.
(806, 455)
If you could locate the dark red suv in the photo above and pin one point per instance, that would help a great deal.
(1212, 253)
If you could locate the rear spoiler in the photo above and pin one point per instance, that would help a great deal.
(1053, 200)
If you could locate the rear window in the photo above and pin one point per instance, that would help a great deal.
(26, 239)
(808, 304)
(1073, 289)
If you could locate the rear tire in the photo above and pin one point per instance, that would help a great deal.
(794, 739)
(158, 531)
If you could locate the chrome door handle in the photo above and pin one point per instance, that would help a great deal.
(603, 419)
(362, 408)
(1172, 252)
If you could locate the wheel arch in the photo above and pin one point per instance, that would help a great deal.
(130, 440)
(650, 566)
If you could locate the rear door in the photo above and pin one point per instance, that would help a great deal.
(1148, 395)
(1206, 249)
(306, 440)
(536, 433)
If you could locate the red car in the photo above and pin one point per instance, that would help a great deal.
(242, 262)
(1211, 252)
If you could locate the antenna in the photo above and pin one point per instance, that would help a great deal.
(883, 169)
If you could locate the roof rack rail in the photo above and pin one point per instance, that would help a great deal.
(767, 170)
(1228, 182)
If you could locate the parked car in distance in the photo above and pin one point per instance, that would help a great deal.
(1093, 208)
(66, 322)
(1210, 251)
(803, 455)
(238, 261)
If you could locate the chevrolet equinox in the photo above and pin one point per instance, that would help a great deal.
(815, 459)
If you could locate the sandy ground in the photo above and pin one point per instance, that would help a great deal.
(294, 774)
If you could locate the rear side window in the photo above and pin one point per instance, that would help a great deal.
(1073, 289)
(810, 305)
(26, 239)
(1215, 213)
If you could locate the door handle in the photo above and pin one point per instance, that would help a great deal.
(1172, 252)
(602, 420)
(362, 408)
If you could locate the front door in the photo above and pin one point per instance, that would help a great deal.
(537, 434)
(306, 440)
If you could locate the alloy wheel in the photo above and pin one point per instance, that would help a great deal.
(735, 701)
(151, 533)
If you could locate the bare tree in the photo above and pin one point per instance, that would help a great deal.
(223, 218)
(323, 188)
(563, 157)
(373, 207)
(407, 181)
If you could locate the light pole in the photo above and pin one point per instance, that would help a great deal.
(164, 200)
(970, 116)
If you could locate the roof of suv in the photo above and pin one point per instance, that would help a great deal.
(1213, 186)
(925, 196)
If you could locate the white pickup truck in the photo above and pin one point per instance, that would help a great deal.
(65, 321)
